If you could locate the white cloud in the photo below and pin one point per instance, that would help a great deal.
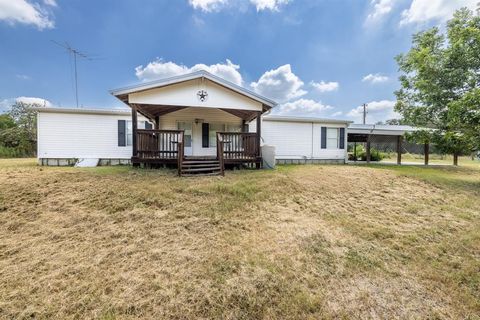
(376, 111)
(23, 77)
(375, 78)
(421, 11)
(216, 5)
(207, 5)
(51, 3)
(159, 69)
(380, 8)
(273, 5)
(21, 11)
(34, 100)
(336, 114)
(280, 84)
(5, 104)
(323, 86)
(302, 107)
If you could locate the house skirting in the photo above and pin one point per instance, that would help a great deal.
(310, 161)
(66, 162)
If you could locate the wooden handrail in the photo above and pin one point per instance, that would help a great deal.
(159, 131)
(158, 144)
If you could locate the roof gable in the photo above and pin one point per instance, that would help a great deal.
(123, 93)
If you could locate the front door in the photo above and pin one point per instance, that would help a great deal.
(187, 127)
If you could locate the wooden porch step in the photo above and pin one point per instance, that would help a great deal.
(198, 166)
(205, 169)
(194, 162)
(201, 165)
(201, 174)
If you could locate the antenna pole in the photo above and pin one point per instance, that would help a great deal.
(75, 53)
(364, 113)
(76, 80)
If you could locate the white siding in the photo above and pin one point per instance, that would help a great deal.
(208, 115)
(185, 94)
(300, 140)
(73, 135)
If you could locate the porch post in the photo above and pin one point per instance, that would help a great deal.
(243, 125)
(399, 150)
(157, 123)
(259, 134)
(134, 132)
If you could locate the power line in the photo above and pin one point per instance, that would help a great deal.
(75, 53)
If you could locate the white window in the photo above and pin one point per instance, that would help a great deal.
(332, 138)
(212, 133)
(129, 135)
(187, 135)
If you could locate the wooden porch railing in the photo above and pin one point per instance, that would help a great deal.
(220, 147)
(159, 144)
(180, 149)
(238, 145)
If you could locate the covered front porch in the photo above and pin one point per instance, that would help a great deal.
(179, 134)
(197, 122)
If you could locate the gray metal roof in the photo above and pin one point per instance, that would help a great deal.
(304, 119)
(121, 112)
(191, 76)
(380, 129)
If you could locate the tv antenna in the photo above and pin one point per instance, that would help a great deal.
(364, 112)
(75, 53)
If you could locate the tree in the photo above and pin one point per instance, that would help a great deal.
(6, 121)
(439, 84)
(18, 129)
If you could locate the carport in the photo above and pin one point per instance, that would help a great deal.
(373, 133)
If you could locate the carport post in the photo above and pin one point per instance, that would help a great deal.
(355, 151)
(368, 149)
(399, 150)
(426, 151)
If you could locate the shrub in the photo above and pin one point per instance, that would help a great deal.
(375, 155)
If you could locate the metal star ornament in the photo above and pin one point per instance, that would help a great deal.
(202, 95)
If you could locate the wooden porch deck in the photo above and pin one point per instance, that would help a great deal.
(167, 147)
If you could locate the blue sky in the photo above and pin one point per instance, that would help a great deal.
(315, 57)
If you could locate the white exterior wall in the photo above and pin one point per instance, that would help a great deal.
(81, 135)
(75, 135)
(185, 94)
(207, 115)
(300, 140)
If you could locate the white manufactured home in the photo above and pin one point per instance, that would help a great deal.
(197, 122)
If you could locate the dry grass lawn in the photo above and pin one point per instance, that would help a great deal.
(300, 242)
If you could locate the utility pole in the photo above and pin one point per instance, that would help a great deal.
(364, 113)
(75, 53)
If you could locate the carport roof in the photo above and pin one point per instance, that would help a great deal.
(380, 129)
